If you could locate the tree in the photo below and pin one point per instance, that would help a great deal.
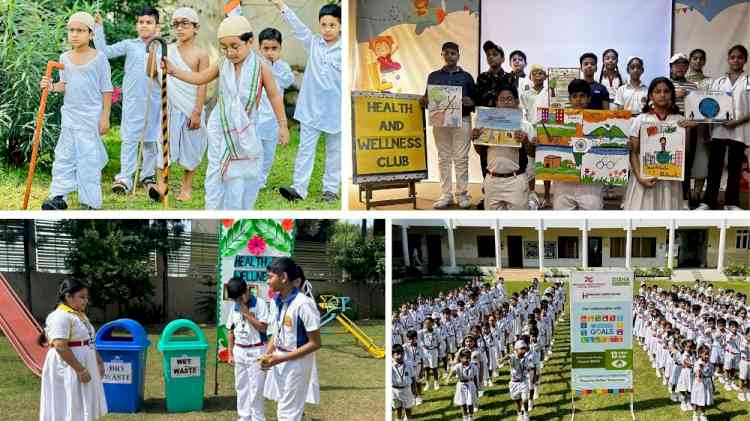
(360, 258)
(114, 258)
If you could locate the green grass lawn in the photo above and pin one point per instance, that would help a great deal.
(13, 183)
(651, 398)
(352, 383)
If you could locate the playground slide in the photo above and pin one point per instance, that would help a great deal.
(21, 328)
(361, 336)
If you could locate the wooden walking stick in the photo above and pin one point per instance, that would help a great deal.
(164, 121)
(38, 132)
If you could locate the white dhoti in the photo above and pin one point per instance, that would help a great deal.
(64, 397)
(249, 380)
(186, 146)
(80, 157)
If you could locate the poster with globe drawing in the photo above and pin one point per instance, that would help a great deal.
(662, 151)
(709, 106)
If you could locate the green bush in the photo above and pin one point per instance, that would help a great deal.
(33, 32)
(737, 270)
(470, 270)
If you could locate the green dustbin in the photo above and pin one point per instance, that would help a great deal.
(184, 361)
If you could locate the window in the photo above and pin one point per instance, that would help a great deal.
(743, 239)
(486, 246)
(567, 247)
(617, 247)
(11, 246)
(644, 247)
(53, 245)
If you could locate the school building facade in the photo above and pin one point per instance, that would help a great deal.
(492, 244)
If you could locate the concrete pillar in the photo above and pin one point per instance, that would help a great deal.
(498, 247)
(722, 245)
(670, 249)
(585, 244)
(451, 244)
(628, 243)
(405, 244)
(540, 239)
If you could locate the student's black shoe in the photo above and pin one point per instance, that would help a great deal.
(289, 194)
(56, 203)
(328, 196)
(118, 187)
(154, 193)
(480, 205)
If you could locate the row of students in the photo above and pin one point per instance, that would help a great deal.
(470, 334)
(692, 336)
(453, 143)
(240, 135)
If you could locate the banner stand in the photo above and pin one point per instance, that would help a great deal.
(368, 188)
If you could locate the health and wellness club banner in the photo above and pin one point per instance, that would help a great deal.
(601, 332)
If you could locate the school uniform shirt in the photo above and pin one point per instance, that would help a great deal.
(402, 377)
(488, 84)
(134, 87)
(457, 78)
(599, 94)
(612, 85)
(244, 332)
(504, 160)
(319, 101)
(688, 86)
(740, 91)
(292, 319)
(519, 368)
(630, 98)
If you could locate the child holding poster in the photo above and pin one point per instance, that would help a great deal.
(506, 185)
(649, 193)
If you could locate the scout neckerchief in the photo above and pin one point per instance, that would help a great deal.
(235, 116)
(81, 316)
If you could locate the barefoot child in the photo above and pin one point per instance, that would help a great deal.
(235, 154)
(247, 324)
(318, 107)
(290, 355)
(80, 155)
(267, 128)
(403, 385)
(135, 124)
(187, 134)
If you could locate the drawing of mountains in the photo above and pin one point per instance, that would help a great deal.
(610, 132)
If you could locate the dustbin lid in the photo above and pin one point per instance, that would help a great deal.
(137, 341)
(168, 343)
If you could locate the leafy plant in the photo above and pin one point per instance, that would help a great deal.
(737, 270)
(205, 300)
(361, 259)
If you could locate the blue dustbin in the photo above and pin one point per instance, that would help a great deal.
(124, 364)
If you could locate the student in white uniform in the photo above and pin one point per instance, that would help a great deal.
(267, 128)
(519, 385)
(135, 86)
(574, 196)
(403, 384)
(72, 388)
(702, 393)
(633, 95)
(467, 385)
(428, 339)
(247, 324)
(187, 132)
(80, 155)
(235, 154)
(290, 353)
(506, 185)
(318, 108)
(610, 75)
(649, 193)
(732, 137)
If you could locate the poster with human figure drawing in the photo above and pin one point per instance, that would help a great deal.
(711, 106)
(444, 105)
(662, 151)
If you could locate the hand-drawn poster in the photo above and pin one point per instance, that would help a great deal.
(557, 85)
(530, 250)
(498, 125)
(709, 106)
(662, 153)
(582, 146)
(444, 105)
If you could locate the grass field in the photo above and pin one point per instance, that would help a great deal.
(13, 182)
(352, 383)
(651, 398)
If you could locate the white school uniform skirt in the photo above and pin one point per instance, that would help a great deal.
(717, 354)
(702, 393)
(744, 368)
(674, 374)
(519, 390)
(430, 357)
(665, 195)
(466, 394)
(731, 361)
(451, 345)
(64, 397)
(402, 397)
(685, 381)
(295, 382)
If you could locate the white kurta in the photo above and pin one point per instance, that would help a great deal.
(186, 146)
(80, 155)
(64, 397)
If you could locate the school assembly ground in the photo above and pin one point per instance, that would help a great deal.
(346, 372)
(651, 398)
